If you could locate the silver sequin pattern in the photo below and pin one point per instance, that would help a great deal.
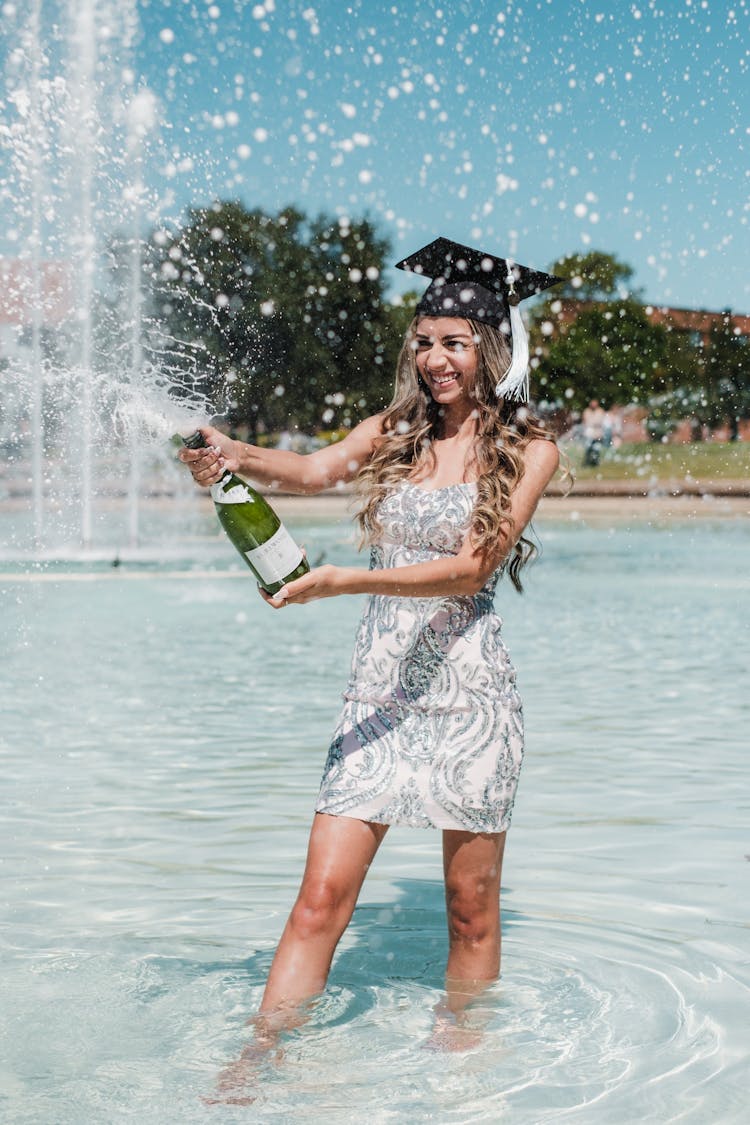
(431, 731)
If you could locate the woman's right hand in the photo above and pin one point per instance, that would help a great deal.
(209, 464)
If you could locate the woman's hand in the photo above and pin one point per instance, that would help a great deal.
(322, 582)
(209, 465)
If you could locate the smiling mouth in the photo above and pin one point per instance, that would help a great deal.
(439, 380)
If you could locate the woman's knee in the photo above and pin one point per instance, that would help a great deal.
(473, 909)
(322, 907)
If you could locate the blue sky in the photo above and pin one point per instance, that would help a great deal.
(537, 128)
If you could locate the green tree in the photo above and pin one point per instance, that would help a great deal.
(609, 351)
(349, 316)
(708, 383)
(678, 386)
(591, 337)
(726, 365)
(286, 314)
(594, 276)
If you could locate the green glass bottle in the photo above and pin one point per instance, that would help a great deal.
(254, 529)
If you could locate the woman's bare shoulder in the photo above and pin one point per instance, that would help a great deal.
(541, 455)
(366, 432)
(374, 425)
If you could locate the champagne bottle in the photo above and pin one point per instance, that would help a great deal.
(254, 528)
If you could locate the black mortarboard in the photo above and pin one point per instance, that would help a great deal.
(473, 285)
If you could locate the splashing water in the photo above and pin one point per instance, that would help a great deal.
(92, 386)
(149, 415)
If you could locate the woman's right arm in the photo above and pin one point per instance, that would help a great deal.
(304, 473)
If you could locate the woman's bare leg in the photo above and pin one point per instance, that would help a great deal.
(339, 854)
(472, 865)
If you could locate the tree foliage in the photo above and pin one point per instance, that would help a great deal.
(594, 276)
(610, 352)
(727, 376)
(709, 382)
(285, 320)
(593, 340)
(286, 315)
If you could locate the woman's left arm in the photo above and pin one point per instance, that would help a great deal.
(464, 573)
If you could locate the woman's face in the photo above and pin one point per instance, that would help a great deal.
(446, 355)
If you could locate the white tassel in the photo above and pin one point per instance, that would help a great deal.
(515, 382)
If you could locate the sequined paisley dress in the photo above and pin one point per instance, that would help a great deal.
(431, 732)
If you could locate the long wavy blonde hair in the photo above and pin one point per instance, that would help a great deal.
(413, 420)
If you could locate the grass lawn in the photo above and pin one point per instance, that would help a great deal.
(701, 460)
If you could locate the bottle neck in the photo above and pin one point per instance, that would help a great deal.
(197, 441)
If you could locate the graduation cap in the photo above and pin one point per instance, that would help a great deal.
(472, 285)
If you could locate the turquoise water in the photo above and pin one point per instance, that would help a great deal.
(162, 739)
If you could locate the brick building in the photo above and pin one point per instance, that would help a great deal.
(697, 323)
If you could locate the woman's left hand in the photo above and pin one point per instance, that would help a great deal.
(322, 582)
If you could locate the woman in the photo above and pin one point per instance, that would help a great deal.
(431, 730)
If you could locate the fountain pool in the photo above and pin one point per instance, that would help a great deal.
(162, 742)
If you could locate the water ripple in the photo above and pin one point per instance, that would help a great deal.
(162, 742)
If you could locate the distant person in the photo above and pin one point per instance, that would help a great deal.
(431, 731)
(593, 419)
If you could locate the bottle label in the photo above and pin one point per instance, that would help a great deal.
(277, 557)
(237, 494)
